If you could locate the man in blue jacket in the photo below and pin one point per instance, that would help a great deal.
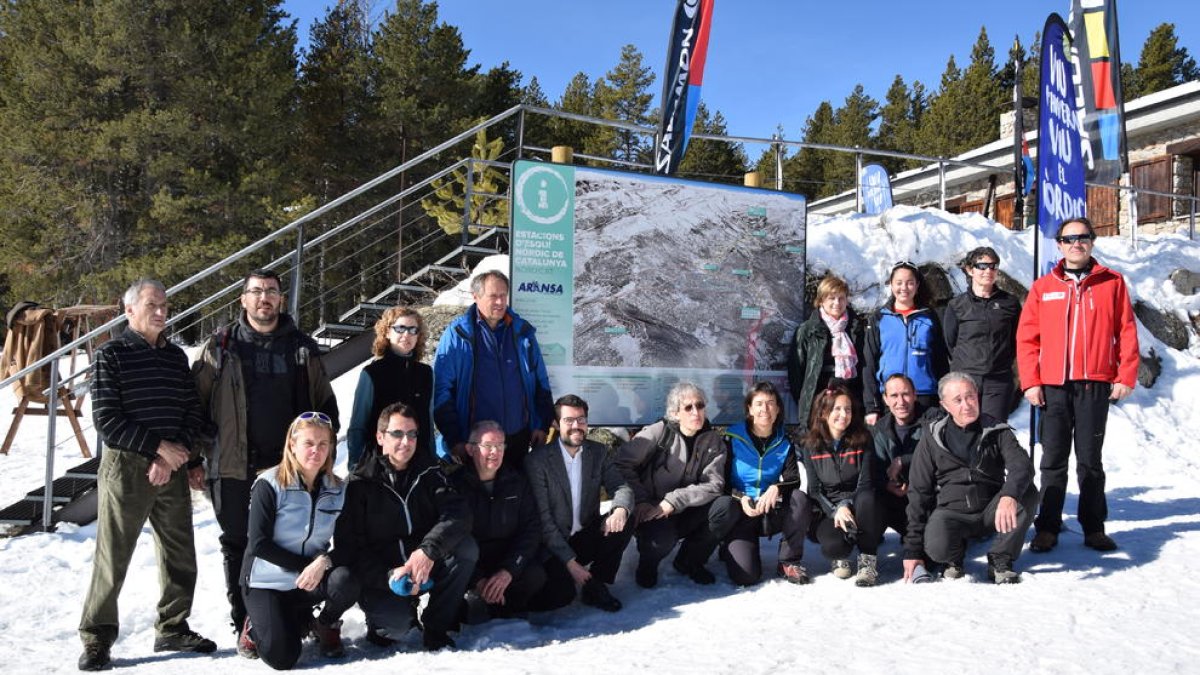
(489, 367)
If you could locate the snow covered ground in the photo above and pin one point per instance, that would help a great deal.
(1077, 611)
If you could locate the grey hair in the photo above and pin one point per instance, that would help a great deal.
(135, 289)
(482, 427)
(956, 376)
(676, 395)
(481, 279)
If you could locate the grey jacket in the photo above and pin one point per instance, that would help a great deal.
(657, 465)
(547, 475)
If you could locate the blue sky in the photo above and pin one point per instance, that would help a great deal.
(770, 62)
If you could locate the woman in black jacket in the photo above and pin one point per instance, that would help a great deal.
(837, 458)
(980, 325)
(827, 345)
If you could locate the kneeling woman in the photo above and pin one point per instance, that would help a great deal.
(764, 477)
(289, 568)
(837, 457)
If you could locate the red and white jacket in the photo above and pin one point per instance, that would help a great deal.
(1077, 330)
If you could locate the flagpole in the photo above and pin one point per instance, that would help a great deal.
(1019, 178)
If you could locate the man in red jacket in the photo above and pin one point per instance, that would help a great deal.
(1077, 349)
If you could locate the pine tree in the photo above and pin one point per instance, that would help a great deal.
(851, 128)
(142, 137)
(1163, 63)
(805, 171)
(939, 132)
(447, 205)
(624, 95)
(718, 161)
(897, 125)
(537, 126)
(576, 98)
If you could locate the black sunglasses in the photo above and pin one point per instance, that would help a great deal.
(401, 330)
(699, 405)
(986, 266)
(400, 434)
(1073, 238)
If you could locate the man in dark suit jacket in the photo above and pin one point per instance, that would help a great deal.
(566, 477)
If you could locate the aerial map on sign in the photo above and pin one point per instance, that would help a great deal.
(636, 282)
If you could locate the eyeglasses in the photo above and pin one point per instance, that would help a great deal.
(317, 416)
(490, 447)
(401, 330)
(569, 421)
(259, 292)
(905, 263)
(1076, 238)
(400, 434)
(986, 266)
(692, 407)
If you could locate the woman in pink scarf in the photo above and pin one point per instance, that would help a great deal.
(826, 347)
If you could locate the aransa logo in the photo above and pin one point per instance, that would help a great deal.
(540, 287)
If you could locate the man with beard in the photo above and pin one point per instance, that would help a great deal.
(254, 378)
(566, 476)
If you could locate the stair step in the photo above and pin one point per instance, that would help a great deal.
(22, 513)
(396, 290)
(338, 331)
(66, 489)
(89, 469)
(365, 309)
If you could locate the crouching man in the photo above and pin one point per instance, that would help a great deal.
(969, 478)
(403, 519)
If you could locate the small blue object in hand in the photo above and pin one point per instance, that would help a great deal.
(403, 585)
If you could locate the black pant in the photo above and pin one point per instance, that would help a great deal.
(231, 504)
(279, 619)
(996, 393)
(743, 560)
(835, 545)
(701, 528)
(393, 614)
(1076, 411)
(947, 531)
(516, 446)
(524, 585)
(892, 512)
(592, 546)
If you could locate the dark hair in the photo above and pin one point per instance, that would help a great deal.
(571, 401)
(922, 297)
(770, 390)
(975, 255)
(401, 409)
(818, 434)
(262, 273)
(1078, 219)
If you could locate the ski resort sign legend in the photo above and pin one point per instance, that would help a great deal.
(635, 282)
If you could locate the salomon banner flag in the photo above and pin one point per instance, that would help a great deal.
(681, 84)
(876, 189)
(1098, 88)
(1061, 190)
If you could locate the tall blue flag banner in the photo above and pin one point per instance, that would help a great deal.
(681, 83)
(1061, 190)
(876, 189)
(1098, 88)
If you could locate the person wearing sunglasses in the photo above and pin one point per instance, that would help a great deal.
(676, 467)
(980, 325)
(396, 375)
(489, 366)
(291, 566)
(903, 336)
(1077, 351)
(404, 525)
(254, 377)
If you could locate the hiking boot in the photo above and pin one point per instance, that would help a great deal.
(954, 571)
(377, 638)
(475, 609)
(920, 575)
(95, 656)
(646, 574)
(329, 635)
(1099, 542)
(698, 574)
(1000, 570)
(841, 568)
(868, 575)
(1043, 541)
(794, 573)
(434, 641)
(187, 641)
(245, 643)
(595, 593)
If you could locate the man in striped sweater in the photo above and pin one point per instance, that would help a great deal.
(145, 407)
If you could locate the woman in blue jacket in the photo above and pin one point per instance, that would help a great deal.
(763, 478)
(904, 336)
(289, 567)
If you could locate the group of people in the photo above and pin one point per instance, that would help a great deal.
(902, 426)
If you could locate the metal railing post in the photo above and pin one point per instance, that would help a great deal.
(778, 163)
(467, 192)
(858, 199)
(941, 185)
(52, 418)
(294, 304)
(521, 134)
(1192, 218)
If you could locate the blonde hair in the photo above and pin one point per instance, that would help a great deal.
(384, 324)
(828, 286)
(288, 472)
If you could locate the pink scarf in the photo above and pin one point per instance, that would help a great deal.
(845, 359)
